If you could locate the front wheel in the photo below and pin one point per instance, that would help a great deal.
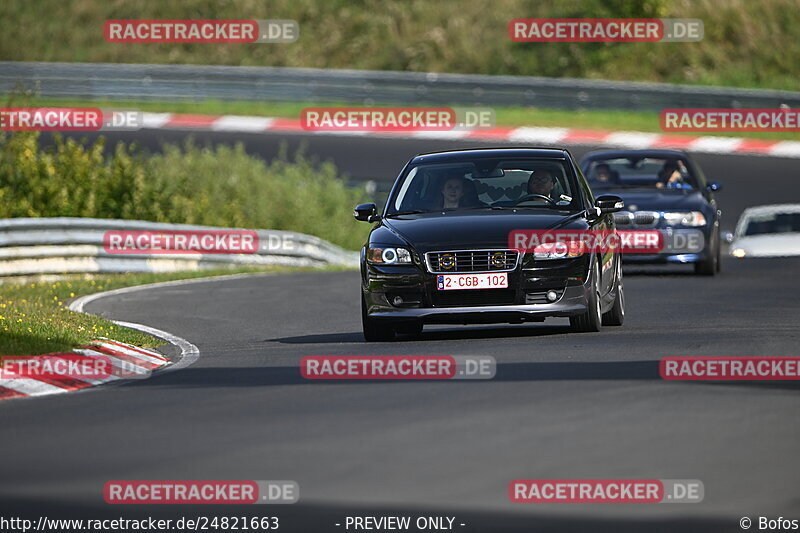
(710, 265)
(616, 315)
(375, 330)
(591, 319)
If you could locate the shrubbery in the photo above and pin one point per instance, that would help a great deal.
(219, 186)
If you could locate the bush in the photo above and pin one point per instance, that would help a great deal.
(218, 186)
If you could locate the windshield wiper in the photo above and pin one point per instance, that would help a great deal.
(551, 206)
(409, 212)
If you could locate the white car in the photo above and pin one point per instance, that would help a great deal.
(768, 231)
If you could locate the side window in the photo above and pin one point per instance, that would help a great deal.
(699, 177)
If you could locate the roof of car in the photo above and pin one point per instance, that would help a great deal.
(460, 155)
(622, 152)
(773, 208)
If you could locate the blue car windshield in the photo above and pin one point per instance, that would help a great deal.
(643, 172)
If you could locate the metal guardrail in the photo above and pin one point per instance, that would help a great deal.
(192, 82)
(31, 246)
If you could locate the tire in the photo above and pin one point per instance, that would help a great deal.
(616, 315)
(710, 266)
(591, 320)
(375, 330)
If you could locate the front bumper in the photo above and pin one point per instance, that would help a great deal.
(663, 258)
(682, 245)
(522, 301)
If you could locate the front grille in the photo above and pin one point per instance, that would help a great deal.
(637, 219)
(473, 298)
(645, 218)
(471, 261)
(623, 218)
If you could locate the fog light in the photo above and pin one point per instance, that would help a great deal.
(552, 296)
(397, 301)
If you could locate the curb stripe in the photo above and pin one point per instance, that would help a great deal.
(545, 135)
(129, 361)
(123, 367)
(7, 394)
(65, 383)
(144, 351)
(191, 121)
(132, 359)
(31, 387)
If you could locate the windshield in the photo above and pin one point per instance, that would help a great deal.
(644, 172)
(485, 184)
(772, 223)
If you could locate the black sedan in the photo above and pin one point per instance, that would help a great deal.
(663, 190)
(441, 250)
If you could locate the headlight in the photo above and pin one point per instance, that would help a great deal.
(688, 218)
(558, 250)
(388, 256)
(738, 252)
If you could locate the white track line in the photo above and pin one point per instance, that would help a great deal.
(189, 352)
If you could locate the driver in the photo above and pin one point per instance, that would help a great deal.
(452, 192)
(541, 182)
(604, 174)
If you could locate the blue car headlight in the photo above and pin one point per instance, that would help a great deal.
(685, 218)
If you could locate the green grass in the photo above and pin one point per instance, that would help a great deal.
(34, 318)
(505, 116)
(747, 43)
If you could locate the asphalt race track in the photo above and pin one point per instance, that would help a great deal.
(562, 405)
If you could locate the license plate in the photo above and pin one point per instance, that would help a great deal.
(455, 282)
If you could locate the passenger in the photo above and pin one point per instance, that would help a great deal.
(671, 176)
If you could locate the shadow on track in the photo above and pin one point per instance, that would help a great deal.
(432, 335)
(264, 376)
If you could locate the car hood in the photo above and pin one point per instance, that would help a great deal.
(658, 200)
(770, 245)
(454, 231)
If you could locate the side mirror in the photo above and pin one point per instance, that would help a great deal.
(727, 236)
(609, 203)
(366, 213)
(714, 186)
